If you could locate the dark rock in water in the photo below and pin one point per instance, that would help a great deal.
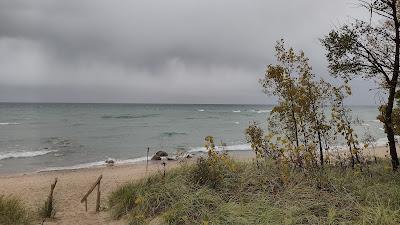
(161, 153)
(156, 157)
(188, 156)
(171, 158)
(110, 162)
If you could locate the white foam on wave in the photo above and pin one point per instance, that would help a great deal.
(132, 161)
(236, 111)
(365, 125)
(375, 121)
(237, 122)
(201, 110)
(264, 111)
(381, 142)
(9, 123)
(78, 166)
(96, 164)
(239, 147)
(24, 154)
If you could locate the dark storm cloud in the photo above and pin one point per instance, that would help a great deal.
(155, 51)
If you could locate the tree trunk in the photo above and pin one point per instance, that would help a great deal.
(389, 129)
(295, 126)
(392, 91)
(352, 157)
(321, 153)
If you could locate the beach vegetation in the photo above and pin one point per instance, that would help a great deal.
(13, 212)
(301, 126)
(259, 194)
(47, 210)
(371, 50)
(343, 124)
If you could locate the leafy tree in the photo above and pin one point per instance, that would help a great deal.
(298, 119)
(371, 49)
(342, 121)
(255, 136)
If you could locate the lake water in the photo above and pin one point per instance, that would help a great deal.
(44, 136)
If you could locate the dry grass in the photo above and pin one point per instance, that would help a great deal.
(13, 212)
(263, 194)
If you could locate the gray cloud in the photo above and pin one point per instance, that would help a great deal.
(181, 51)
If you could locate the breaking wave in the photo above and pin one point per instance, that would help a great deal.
(24, 154)
(95, 164)
(9, 123)
(129, 116)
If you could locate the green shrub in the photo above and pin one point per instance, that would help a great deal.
(216, 171)
(12, 212)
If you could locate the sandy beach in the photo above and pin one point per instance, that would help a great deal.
(33, 188)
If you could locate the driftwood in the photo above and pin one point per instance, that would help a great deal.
(84, 199)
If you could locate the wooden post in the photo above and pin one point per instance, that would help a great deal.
(84, 199)
(49, 208)
(98, 198)
(147, 159)
(164, 169)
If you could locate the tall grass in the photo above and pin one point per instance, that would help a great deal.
(12, 212)
(261, 193)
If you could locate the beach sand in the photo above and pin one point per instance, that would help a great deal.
(72, 185)
(33, 188)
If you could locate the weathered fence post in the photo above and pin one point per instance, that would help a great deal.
(84, 199)
(163, 163)
(147, 159)
(98, 198)
(49, 207)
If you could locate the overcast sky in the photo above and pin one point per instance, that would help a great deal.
(166, 51)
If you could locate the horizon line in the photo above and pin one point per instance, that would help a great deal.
(149, 103)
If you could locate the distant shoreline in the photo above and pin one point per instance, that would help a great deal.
(380, 152)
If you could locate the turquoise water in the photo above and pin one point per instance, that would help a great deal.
(54, 136)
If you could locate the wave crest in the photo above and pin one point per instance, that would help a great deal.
(129, 116)
(9, 123)
(24, 154)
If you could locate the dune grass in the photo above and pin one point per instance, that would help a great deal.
(12, 212)
(262, 193)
